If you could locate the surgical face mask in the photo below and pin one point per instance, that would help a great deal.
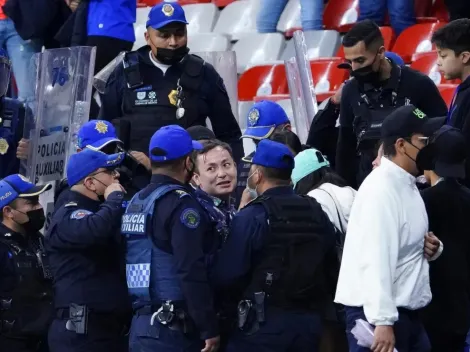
(171, 56)
(36, 220)
(253, 191)
(367, 74)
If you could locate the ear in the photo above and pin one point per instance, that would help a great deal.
(196, 179)
(288, 127)
(7, 213)
(400, 145)
(465, 57)
(381, 52)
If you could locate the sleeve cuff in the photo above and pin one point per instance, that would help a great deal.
(438, 253)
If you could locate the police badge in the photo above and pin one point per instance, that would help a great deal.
(253, 117)
(3, 146)
(101, 127)
(168, 10)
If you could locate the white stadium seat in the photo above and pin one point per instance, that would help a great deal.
(201, 42)
(290, 17)
(258, 48)
(142, 15)
(238, 19)
(139, 30)
(323, 43)
(201, 17)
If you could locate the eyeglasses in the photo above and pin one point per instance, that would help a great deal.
(111, 172)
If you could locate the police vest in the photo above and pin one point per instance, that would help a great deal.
(152, 104)
(291, 266)
(28, 309)
(151, 275)
(11, 131)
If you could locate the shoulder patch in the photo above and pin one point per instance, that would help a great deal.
(190, 218)
(181, 193)
(80, 214)
(71, 204)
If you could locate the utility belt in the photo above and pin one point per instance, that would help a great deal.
(80, 318)
(252, 313)
(170, 315)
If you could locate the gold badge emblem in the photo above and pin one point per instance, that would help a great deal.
(101, 127)
(3, 146)
(172, 97)
(253, 117)
(168, 10)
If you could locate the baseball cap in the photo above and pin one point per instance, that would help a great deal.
(199, 133)
(263, 118)
(408, 120)
(170, 143)
(273, 155)
(446, 153)
(97, 134)
(306, 162)
(394, 57)
(17, 186)
(82, 164)
(164, 13)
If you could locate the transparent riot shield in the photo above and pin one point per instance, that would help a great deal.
(225, 63)
(100, 79)
(61, 106)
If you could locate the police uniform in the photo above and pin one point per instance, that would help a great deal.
(87, 263)
(170, 239)
(25, 280)
(145, 98)
(363, 108)
(279, 255)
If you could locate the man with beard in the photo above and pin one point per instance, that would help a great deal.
(25, 281)
(170, 240)
(161, 84)
(378, 87)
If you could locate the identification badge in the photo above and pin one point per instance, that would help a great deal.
(3, 146)
(134, 223)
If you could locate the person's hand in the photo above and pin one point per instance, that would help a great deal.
(22, 152)
(384, 339)
(336, 98)
(212, 344)
(431, 245)
(246, 198)
(113, 187)
(142, 158)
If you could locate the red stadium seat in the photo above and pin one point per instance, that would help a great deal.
(270, 78)
(222, 3)
(447, 92)
(439, 11)
(340, 15)
(427, 64)
(414, 39)
(327, 77)
(272, 97)
(389, 39)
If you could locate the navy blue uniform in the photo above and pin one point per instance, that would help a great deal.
(143, 110)
(285, 328)
(87, 263)
(190, 240)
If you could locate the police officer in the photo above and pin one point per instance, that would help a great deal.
(25, 281)
(161, 84)
(86, 258)
(378, 87)
(280, 257)
(169, 239)
(263, 120)
(12, 118)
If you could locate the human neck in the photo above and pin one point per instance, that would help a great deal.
(465, 73)
(385, 69)
(174, 175)
(13, 226)
(85, 192)
(434, 178)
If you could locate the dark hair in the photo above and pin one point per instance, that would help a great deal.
(389, 146)
(288, 138)
(280, 176)
(208, 145)
(454, 36)
(167, 164)
(366, 31)
(315, 179)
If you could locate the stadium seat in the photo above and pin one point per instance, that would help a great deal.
(222, 3)
(290, 17)
(257, 49)
(201, 17)
(200, 42)
(139, 30)
(340, 15)
(389, 40)
(238, 19)
(439, 11)
(415, 39)
(447, 92)
(142, 15)
(327, 77)
(427, 64)
(319, 44)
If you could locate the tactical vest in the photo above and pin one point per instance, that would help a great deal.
(218, 217)
(28, 309)
(11, 131)
(290, 269)
(148, 105)
(150, 272)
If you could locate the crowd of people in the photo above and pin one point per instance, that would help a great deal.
(166, 237)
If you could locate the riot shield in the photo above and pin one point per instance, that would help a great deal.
(225, 63)
(100, 79)
(62, 105)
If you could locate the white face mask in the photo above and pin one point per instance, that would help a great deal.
(253, 192)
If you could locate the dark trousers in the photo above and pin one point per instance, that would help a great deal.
(158, 338)
(107, 49)
(22, 345)
(401, 12)
(283, 331)
(445, 341)
(410, 335)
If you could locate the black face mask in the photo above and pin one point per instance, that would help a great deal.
(367, 74)
(171, 56)
(36, 221)
(416, 161)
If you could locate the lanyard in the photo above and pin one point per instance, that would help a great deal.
(452, 107)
